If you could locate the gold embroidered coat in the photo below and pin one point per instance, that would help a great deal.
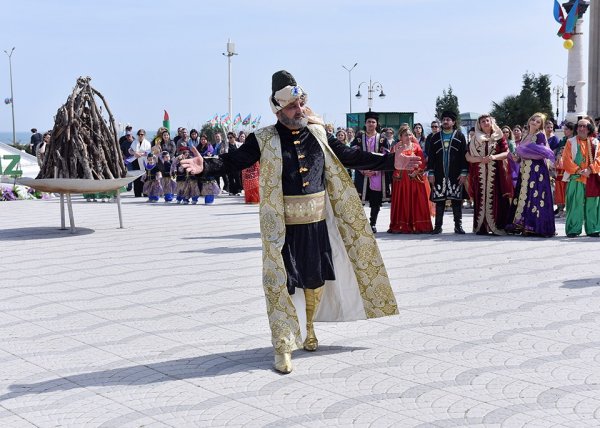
(361, 278)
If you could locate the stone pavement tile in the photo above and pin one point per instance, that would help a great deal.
(70, 407)
(305, 401)
(219, 413)
(9, 419)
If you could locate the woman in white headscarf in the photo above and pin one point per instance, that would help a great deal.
(489, 177)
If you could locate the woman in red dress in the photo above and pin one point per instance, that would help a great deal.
(410, 202)
(250, 177)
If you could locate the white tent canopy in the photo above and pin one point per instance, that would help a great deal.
(28, 163)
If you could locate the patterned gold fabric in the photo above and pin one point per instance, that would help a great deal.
(373, 282)
(304, 209)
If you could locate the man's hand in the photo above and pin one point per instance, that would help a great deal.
(367, 173)
(194, 165)
(462, 179)
(402, 161)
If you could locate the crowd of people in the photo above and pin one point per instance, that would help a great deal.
(517, 179)
(164, 177)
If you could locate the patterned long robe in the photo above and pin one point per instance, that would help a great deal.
(361, 288)
(491, 187)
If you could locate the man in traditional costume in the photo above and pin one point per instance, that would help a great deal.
(447, 171)
(582, 165)
(372, 186)
(320, 259)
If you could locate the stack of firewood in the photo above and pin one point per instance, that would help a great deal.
(83, 143)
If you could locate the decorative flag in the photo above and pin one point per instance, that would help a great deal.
(226, 119)
(237, 119)
(246, 120)
(558, 12)
(214, 120)
(166, 121)
(572, 18)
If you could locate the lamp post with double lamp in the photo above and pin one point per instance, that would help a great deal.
(372, 87)
(558, 91)
(230, 52)
(349, 70)
(562, 97)
(12, 98)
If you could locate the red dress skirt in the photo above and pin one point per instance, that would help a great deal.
(250, 178)
(410, 204)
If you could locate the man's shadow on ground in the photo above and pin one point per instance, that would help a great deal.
(220, 364)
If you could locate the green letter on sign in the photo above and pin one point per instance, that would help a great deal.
(11, 170)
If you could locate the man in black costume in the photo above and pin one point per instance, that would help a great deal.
(317, 244)
(447, 171)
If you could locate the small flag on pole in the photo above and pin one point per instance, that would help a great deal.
(166, 121)
(246, 120)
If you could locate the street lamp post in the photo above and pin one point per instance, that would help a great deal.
(562, 97)
(12, 98)
(349, 70)
(230, 52)
(557, 90)
(373, 86)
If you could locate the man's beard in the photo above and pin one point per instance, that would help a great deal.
(293, 123)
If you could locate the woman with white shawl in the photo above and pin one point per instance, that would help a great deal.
(489, 177)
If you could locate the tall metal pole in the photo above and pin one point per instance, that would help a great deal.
(563, 96)
(229, 54)
(349, 70)
(557, 95)
(12, 97)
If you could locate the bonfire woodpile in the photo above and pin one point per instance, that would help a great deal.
(83, 144)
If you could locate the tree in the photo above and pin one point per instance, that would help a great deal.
(447, 102)
(535, 96)
(210, 131)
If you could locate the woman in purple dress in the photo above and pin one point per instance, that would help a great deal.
(517, 133)
(532, 209)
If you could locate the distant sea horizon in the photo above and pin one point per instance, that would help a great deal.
(23, 137)
(6, 137)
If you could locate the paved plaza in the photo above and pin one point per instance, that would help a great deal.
(163, 324)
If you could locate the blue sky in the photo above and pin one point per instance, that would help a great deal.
(146, 56)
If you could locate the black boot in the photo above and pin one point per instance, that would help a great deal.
(457, 212)
(439, 217)
(373, 219)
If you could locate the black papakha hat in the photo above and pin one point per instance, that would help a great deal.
(449, 114)
(281, 79)
(372, 115)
